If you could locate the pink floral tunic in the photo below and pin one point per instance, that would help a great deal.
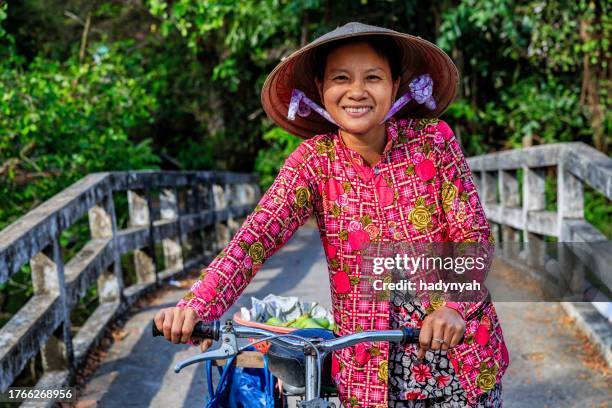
(421, 190)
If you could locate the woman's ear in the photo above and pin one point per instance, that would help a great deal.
(396, 85)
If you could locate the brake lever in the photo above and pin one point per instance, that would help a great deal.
(228, 348)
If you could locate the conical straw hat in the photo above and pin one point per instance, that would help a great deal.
(297, 71)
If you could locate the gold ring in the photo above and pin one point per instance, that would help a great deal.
(439, 341)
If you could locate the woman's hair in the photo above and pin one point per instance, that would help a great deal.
(384, 46)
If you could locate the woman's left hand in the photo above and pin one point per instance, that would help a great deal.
(443, 324)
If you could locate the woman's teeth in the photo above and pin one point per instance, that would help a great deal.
(357, 110)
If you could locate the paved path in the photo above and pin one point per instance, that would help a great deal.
(551, 366)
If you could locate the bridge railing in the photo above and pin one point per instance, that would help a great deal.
(512, 187)
(186, 215)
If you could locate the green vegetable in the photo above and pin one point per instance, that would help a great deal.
(311, 324)
(299, 322)
(274, 321)
(322, 322)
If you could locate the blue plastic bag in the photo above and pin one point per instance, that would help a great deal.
(241, 387)
(218, 398)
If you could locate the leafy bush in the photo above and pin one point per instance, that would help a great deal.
(63, 120)
(270, 160)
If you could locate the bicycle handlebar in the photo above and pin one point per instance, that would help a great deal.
(302, 342)
(212, 331)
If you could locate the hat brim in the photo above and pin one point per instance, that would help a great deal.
(419, 56)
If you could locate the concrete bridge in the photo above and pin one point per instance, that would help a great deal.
(560, 351)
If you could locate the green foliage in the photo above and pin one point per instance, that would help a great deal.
(239, 26)
(598, 211)
(3, 7)
(236, 44)
(546, 111)
(59, 121)
(14, 293)
(532, 70)
(63, 120)
(270, 160)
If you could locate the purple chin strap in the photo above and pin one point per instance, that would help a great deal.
(421, 90)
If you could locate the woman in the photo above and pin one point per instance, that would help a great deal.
(368, 177)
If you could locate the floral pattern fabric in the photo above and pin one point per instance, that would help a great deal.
(433, 380)
(432, 377)
(492, 399)
(421, 190)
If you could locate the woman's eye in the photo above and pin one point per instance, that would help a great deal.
(339, 78)
(373, 77)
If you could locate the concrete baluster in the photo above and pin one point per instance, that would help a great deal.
(102, 224)
(570, 205)
(509, 197)
(534, 199)
(169, 210)
(221, 229)
(48, 280)
(139, 207)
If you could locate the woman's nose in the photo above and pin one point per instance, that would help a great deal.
(357, 90)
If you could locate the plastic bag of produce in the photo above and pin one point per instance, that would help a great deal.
(287, 311)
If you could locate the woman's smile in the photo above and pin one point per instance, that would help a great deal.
(357, 111)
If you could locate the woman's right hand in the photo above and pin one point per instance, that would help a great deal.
(177, 324)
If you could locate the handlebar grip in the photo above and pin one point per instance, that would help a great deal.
(411, 336)
(155, 331)
(210, 330)
(201, 330)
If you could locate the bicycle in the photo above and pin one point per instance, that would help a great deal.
(314, 344)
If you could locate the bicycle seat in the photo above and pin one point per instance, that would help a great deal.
(290, 365)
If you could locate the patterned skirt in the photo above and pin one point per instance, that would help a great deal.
(430, 382)
(492, 399)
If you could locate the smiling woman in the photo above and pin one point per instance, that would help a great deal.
(376, 166)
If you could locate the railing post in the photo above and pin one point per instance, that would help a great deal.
(221, 230)
(140, 216)
(534, 199)
(488, 185)
(190, 241)
(477, 177)
(48, 279)
(509, 198)
(102, 224)
(230, 197)
(233, 200)
(210, 233)
(509, 194)
(169, 210)
(202, 203)
(570, 204)
(570, 199)
(245, 194)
